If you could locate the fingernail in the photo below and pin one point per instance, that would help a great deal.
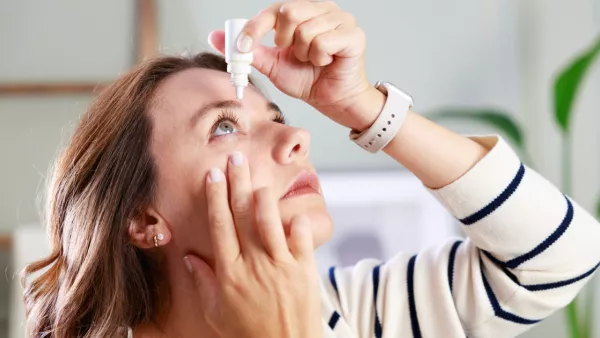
(187, 263)
(215, 175)
(237, 158)
(244, 43)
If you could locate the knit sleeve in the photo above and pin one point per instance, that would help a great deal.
(529, 250)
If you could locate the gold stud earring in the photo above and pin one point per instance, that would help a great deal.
(157, 238)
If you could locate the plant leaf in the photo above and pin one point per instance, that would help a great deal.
(495, 118)
(567, 85)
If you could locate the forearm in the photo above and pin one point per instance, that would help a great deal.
(436, 155)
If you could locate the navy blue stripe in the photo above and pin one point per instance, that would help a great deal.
(540, 287)
(451, 264)
(412, 308)
(332, 281)
(498, 201)
(493, 259)
(335, 316)
(515, 262)
(498, 311)
(378, 328)
(555, 285)
(501, 265)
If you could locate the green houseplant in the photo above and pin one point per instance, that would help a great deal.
(566, 88)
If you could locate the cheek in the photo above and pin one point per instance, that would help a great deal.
(182, 171)
(180, 194)
(181, 197)
(176, 202)
(263, 171)
(182, 204)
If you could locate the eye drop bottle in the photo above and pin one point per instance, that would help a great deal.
(238, 63)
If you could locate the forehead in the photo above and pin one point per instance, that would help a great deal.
(189, 90)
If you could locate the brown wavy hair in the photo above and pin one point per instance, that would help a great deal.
(95, 282)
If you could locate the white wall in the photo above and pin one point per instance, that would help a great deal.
(500, 53)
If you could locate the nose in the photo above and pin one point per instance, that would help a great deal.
(293, 145)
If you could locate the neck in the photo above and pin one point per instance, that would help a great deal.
(181, 315)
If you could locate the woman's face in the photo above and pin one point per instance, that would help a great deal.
(197, 125)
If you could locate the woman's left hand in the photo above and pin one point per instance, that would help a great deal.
(319, 58)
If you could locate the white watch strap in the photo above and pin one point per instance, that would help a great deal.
(388, 122)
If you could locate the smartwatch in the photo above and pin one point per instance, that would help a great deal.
(389, 121)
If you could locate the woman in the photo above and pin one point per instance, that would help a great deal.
(177, 211)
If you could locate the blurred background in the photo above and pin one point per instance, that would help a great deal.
(524, 69)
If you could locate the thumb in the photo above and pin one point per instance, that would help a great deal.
(265, 58)
(204, 280)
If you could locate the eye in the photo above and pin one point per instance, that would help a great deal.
(224, 127)
(226, 123)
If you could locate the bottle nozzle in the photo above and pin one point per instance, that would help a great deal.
(239, 92)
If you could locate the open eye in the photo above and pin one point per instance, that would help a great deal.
(226, 123)
(224, 127)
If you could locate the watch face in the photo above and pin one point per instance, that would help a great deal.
(385, 87)
(381, 86)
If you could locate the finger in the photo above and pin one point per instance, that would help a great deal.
(268, 222)
(340, 42)
(242, 201)
(204, 280)
(292, 14)
(301, 241)
(265, 58)
(308, 30)
(216, 39)
(224, 238)
(265, 21)
(257, 27)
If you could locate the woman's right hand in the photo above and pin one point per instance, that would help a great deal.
(262, 285)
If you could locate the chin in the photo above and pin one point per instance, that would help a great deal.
(314, 208)
(322, 228)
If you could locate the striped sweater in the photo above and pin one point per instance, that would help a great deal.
(529, 250)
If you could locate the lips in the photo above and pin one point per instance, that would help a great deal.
(305, 183)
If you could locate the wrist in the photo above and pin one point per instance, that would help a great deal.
(365, 109)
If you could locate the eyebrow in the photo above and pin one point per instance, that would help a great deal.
(227, 104)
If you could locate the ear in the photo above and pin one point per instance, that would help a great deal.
(146, 226)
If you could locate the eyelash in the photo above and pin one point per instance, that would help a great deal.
(229, 115)
(226, 115)
(279, 118)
